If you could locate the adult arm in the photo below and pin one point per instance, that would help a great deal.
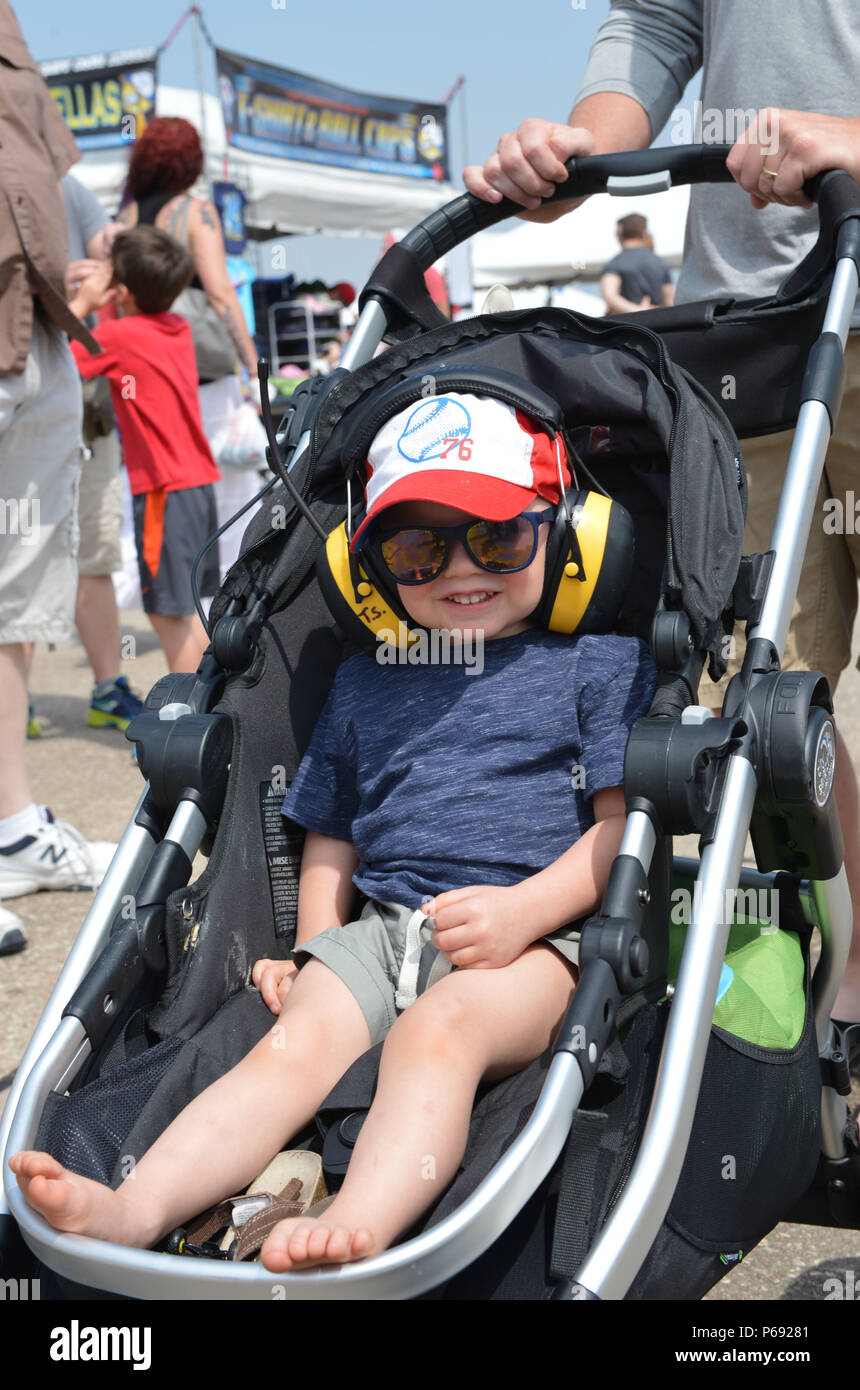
(86, 220)
(794, 145)
(667, 295)
(644, 55)
(206, 245)
(616, 303)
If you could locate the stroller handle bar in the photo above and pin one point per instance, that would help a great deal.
(460, 219)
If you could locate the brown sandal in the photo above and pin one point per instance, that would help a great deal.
(288, 1187)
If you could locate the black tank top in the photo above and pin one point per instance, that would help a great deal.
(148, 209)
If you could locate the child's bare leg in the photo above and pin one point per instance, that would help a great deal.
(473, 1025)
(183, 639)
(226, 1135)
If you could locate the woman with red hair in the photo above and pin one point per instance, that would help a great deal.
(165, 163)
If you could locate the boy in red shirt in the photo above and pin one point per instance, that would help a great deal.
(148, 358)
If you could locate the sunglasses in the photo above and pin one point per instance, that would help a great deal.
(417, 554)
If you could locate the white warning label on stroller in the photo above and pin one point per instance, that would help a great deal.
(283, 842)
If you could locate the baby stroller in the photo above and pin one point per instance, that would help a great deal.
(601, 1171)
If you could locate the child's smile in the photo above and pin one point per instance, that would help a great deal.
(465, 597)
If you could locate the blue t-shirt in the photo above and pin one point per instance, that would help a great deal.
(443, 778)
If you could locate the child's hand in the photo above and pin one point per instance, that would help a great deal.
(77, 272)
(482, 927)
(274, 979)
(96, 290)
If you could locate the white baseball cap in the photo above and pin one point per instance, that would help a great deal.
(471, 452)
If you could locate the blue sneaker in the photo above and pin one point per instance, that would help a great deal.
(114, 707)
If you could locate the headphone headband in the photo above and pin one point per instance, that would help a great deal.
(478, 381)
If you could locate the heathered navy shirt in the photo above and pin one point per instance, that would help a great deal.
(641, 273)
(443, 778)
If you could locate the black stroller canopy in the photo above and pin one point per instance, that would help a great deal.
(646, 431)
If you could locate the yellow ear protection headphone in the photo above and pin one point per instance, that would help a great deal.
(589, 552)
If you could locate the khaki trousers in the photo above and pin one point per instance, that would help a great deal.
(819, 638)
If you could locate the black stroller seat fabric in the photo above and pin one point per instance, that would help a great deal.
(653, 439)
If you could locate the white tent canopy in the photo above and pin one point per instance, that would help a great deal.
(286, 194)
(578, 245)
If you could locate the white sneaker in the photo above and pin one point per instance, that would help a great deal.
(56, 857)
(499, 300)
(12, 935)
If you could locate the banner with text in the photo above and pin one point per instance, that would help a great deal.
(274, 111)
(106, 98)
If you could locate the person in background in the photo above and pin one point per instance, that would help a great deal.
(164, 165)
(112, 703)
(438, 290)
(169, 465)
(40, 427)
(753, 58)
(635, 278)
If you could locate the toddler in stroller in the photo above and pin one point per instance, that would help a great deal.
(597, 1171)
(464, 956)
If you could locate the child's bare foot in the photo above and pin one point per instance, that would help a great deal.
(72, 1203)
(302, 1242)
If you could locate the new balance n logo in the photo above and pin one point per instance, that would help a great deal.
(53, 852)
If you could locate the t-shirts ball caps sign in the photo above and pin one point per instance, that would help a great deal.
(275, 111)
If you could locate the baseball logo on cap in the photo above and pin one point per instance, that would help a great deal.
(431, 426)
(480, 455)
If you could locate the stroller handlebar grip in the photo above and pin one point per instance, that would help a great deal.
(460, 219)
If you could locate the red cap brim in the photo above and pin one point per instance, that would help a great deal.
(474, 493)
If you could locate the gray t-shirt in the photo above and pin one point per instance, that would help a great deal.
(84, 216)
(784, 53)
(443, 776)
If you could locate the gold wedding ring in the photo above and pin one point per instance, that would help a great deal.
(770, 174)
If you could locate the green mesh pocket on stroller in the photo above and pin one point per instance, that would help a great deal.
(756, 1135)
(762, 991)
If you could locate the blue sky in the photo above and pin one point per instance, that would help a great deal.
(519, 57)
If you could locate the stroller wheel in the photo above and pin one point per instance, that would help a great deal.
(176, 1242)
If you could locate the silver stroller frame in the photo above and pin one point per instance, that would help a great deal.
(60, 1046)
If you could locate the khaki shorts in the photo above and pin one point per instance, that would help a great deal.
(100, 508)
(40, 434)
(819, 638)
(386, 959)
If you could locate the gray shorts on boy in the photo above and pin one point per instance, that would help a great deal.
(386, 959)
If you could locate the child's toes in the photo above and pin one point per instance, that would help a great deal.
(362, 1244)
(305, 1244)
(297, 1244)
(29, 1163)
(320, 1242)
